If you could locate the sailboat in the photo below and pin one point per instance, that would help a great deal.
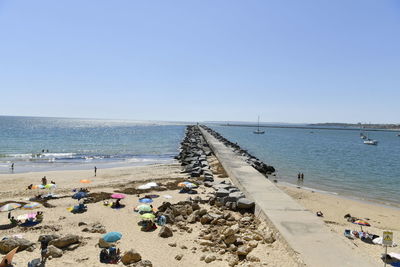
(258, 128)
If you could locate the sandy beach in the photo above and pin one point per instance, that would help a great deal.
(335, 207)
(160, 251)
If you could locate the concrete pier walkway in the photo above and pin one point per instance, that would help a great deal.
(304, 232)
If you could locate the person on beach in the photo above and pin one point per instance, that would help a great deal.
(30, 187)
(298, 176)
(44, 180)
(12, 166)
(302, 176)
(95, 170)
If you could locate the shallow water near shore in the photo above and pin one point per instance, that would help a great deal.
(84, 143)
(332, 160)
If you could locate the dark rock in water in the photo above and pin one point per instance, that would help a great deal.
(245, 203)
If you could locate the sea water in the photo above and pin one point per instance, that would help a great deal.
(335, 161)
(42, 144)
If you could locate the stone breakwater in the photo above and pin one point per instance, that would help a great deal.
(193, 154)
(193, 157)
(250, 159)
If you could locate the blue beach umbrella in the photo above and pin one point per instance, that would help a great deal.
(145, 200)
(112, 236)
(79, 195)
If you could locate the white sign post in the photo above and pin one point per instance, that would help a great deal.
(387, 240)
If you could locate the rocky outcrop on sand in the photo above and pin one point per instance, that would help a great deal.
(250, 159)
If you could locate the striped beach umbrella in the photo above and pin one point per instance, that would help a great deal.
(10, 206)
(31, 206)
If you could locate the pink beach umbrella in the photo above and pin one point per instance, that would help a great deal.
(118, 196)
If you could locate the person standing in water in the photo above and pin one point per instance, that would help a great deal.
(12, 167)
(302, 176)
(95, 170)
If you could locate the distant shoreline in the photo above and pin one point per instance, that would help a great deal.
(311, 127)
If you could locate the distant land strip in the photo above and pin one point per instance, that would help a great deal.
(317, 127)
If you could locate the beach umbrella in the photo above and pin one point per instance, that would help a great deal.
(187, 184)
(31, 206)
(7, 259)
(85, 181)
(144, 207)
(50, 186)
(112, 236)
(10, 206)
(145, 200)
(79, 195)
(147, 216)
(361, 223)
(152, 196)
(118, 196)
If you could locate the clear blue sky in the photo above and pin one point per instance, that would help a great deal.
(288, 61)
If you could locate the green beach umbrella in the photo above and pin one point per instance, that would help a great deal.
(148, 216)
(144, 207)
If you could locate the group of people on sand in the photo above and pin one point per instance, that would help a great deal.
(112, 255)
(37, 219)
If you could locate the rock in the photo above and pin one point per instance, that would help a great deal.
(246, 219)
(183, 247)
(253, 243)
(233, 261)
(269, 238)
(165, 232)
(95, 228)
(206, 219)
(54, 252)
(9, 244)
(131, 256)
(228, 231)
(252, 258)
(208, 184)
(172, 244)
(206, 243)
(243, 250)
(47, 238)
(145, 263)
(65, 241)
(230, 239)
(192, 218)
(222, 193)
(235, 228)
(201, 212)
(178, 257)
(82, 223)
(209, 258)
(245, 203)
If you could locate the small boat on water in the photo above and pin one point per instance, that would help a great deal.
(258, 128)
(371, 142)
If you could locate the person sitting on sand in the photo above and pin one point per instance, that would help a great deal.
(29, 187)
(116, 204)
(150, 226)
(44, 180)
(114, 255)
(39, 216)
(52, 182)
(104, 256)
(14, 221)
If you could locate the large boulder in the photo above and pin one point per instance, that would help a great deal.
(54, 252)
(245, 203)
(222, 193)
(47, 238)
(65, 241)
(9, 244)
(131, 256)
(165, 232)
